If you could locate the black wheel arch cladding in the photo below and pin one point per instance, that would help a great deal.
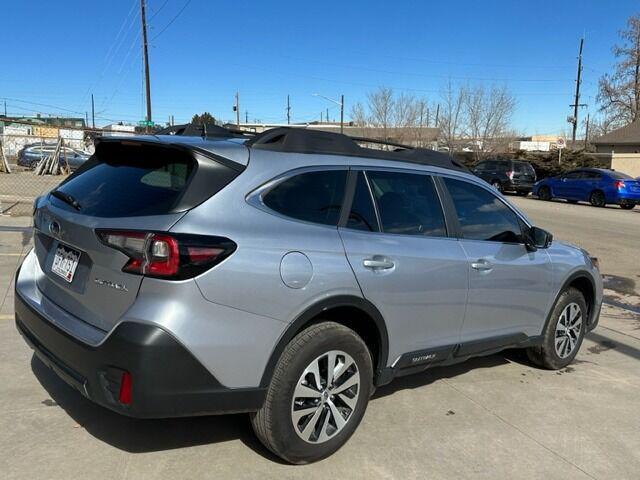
(323, 309)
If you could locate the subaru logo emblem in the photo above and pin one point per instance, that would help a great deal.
(54, 228)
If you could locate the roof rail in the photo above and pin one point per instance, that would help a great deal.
(301, 140)
(208, 130)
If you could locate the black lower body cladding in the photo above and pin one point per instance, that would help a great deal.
(167, 381)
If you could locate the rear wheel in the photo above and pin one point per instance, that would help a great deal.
(544, 193)
(497, 184)
(318, 394)
(627, 206)
(564, 332)
(597, 199)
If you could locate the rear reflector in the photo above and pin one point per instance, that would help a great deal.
(164, 255)
(124, 396)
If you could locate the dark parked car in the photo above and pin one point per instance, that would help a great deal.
(30, 155)
(507, 175)
(598, 186)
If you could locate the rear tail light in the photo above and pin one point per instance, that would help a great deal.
(510, 174)
(619, 184)
(164, 255)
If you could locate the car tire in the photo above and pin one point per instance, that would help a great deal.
(596, 198)
(497, 184)
(627, 206)
(544, 193)
(309, 437)
(563, 333)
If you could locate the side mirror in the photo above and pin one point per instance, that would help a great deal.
(536, 238)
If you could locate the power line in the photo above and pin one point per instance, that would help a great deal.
(158, 10)
(172, 20)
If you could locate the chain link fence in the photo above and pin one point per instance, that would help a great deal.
(22, 185)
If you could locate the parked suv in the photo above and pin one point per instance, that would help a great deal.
(288, 276)
(507, 175)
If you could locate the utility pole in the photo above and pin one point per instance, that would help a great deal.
(237, 108)
(437, 114)
(576, 102)
(586, 133)
(86, 118)
(326, 118)
(288, 110)
(246, 116)
(5, 108)
(93, 113)
(321, 113)
(145, 53)
(341, 113)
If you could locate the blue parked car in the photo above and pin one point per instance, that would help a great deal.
(597, 186)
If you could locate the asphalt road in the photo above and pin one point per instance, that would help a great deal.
(611, 234)
(496, 417)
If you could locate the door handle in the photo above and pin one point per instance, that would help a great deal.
(378, 263)
(482, 265)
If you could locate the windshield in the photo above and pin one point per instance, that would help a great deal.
(127, 181)
(620, 176)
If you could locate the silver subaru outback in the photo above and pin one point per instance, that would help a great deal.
(286, 275)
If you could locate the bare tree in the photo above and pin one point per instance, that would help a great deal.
(619, 93)
(488, 116)
(603, 124)
(452, 114)
(381, 109)
(405, 117)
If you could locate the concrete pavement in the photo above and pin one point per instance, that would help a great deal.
(495, 417)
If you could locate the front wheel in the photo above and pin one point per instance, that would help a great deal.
(564, 332)
(318, 394)
(627, 206)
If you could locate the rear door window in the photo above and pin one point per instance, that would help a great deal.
(407, 203)
(130, 181)
(362, 215)
(482, 215)
(313, 196)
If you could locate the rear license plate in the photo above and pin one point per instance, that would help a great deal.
(65, 262)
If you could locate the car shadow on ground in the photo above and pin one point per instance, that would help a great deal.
(141, 436)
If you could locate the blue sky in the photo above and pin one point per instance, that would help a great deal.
(55, 54)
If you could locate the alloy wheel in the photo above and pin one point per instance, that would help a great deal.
(497, 185)
(325, 397)
(568, 330)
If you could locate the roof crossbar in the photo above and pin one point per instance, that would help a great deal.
(208, 130)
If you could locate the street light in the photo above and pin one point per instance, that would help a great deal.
(341, 103)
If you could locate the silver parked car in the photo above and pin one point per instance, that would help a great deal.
(31, 155)
(287, 275)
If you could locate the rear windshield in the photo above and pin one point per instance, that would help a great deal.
(620, 176)
(127, 181)
(522, 167)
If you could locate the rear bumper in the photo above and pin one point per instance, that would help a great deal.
(518, 186)
(167, 381)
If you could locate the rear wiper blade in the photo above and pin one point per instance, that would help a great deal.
(66, 198)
